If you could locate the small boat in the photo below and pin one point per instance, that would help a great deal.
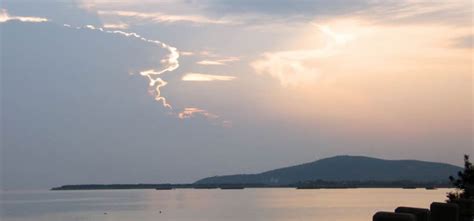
(430, 188)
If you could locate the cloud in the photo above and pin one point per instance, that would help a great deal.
(295, 67)
(156, 83)
(450, 11)
(186, 53)
(206, 77)
(115, 26)
(207, 53)
(263, 12)
(222, 61)
(4, 17)
(289, 66)
(162, 17)
(209, 62)
(170, 62)
(192, 112)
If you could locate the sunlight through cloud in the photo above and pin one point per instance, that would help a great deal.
(294, 67)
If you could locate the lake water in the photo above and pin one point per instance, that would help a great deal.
(211, 205)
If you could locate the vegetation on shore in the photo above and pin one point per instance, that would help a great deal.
(464, 183)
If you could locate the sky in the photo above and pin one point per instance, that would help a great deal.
(142, 91)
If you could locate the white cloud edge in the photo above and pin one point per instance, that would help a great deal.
(200, 77)
(4, 17)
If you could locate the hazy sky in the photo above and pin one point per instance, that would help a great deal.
(149, 91)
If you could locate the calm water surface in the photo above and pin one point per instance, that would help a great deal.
(210, 205)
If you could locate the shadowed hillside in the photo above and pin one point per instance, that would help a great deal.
(346, 168)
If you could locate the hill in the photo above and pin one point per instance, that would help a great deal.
(345, 168)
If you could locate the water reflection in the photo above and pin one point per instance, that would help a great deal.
(211, 205)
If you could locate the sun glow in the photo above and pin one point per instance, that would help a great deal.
(303, 66)
(371, 74)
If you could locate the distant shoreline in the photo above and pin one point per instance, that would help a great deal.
(302, 185)
(338, 172)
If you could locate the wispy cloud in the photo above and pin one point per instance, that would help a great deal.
(400, 11)
(156, 83)
(263, 12)
(289, 66)
(116, 25)
(206, 77)
(449, 12)
(170, 62)
(294, 67)
(192, 112)
(209, 62)
(186, 53)
(221, 61)
(4, 17)
(163, 17)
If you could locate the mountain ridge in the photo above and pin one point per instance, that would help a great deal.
(345, 168)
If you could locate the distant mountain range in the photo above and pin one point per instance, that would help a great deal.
(345, 168)
(334, 172)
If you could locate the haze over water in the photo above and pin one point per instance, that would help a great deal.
(211, 205)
